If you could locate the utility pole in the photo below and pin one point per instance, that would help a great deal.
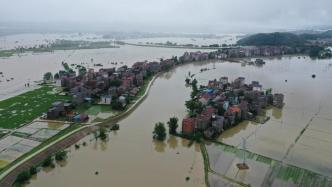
(243, 165)
(244, 148)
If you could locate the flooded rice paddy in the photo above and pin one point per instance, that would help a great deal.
(299, 134)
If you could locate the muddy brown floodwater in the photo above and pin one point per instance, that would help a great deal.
(131, 158)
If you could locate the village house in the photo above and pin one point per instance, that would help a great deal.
(153, 67)
(224, 80)
(204, 118)
(166, 64)
(278, 100)
(105, 100)
(188, 125)
(79, 93)
(218, 123)
(56, 110)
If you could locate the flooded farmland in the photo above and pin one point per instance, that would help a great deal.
(131, 157)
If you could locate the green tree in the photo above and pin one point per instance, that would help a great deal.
(187, 81)
(23, 176)
(194, 85)
(159, 132)
(48, 162)
(82, 70)
(62, 73)
(173, 125)
(62, 155)
(194, 89)
(66, 66)
(191, 105)
(115, 83)
(102, 133)
(220, 110)
(48, 76)
(115, 127)
(116, 105)
(56, 76)
(33, 170)
(194, 106)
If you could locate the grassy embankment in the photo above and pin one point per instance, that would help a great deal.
(28, 106)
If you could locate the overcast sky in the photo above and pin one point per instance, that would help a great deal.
(174, 15)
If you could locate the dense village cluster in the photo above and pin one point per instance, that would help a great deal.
(113, 87)
(118, 86)
(223, 104)
(253, 51)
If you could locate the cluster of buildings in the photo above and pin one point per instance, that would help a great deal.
(60, 109)
(111, 86)
(254, 51)
(106, 86)
(239, 52)
(194, 56)
(225, 104)
(116, 86)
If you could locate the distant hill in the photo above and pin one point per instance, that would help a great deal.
(322, 35)
(273, 39)
(282, 38)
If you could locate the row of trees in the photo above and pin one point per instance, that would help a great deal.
(48, 162)
(193, 105)
(159, 132)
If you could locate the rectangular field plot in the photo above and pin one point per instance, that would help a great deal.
(273, 140)
(9, 141)
(313, 151)
(35, 127)
(44, 134)
(48, 125)
(321, 124)
(10, 155)
(30, 143)
(57, 126)
(27, 130)
(20, 148)
(13, 151)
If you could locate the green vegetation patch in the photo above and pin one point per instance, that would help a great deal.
(274, 39)
(6, 53)
(59, 45)
(302, 177)
(264, 159)
(92, 109)
(3, 163)
(26, 107)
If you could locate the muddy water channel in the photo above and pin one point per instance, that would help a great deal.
(131, 158)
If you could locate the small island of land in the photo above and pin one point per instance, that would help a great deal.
(59, 45)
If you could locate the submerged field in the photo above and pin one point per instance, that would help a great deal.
(26, 107)
(263, 171)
